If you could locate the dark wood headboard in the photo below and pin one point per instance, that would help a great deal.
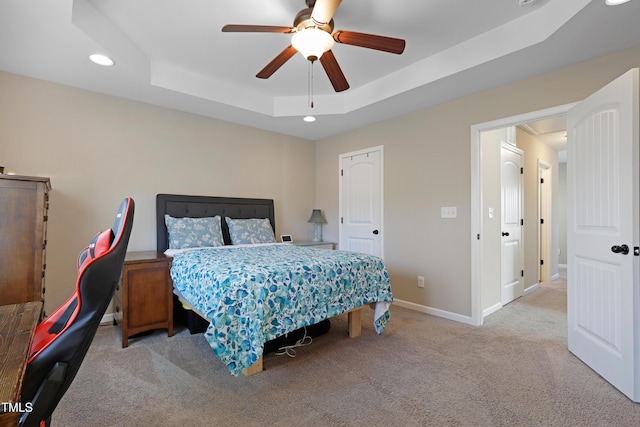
(181, 206)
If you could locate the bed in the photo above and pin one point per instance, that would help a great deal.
(251, 290)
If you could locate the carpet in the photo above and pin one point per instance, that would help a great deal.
(515, 370)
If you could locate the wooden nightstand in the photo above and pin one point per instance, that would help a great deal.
(316, 245)
(144, 297)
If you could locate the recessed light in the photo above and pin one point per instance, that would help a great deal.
(309, 119)
(615, 2)
(100, 59)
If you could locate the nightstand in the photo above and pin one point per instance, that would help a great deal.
(316, 245)
(144, 297)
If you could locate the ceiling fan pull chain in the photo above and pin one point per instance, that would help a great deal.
(309, 102)
(310, 84)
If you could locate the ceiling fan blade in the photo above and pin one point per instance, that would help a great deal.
(370, 41)
(277, 62)
(323, 11)
(233, 28)
(331, 67)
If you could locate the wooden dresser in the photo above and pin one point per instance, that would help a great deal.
(24, 202)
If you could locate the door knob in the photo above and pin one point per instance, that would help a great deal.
(505, 233)
(622, 249)
(375, 232)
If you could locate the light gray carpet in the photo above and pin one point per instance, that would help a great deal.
(423, 371)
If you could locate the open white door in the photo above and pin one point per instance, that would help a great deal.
(511, 270)
(602, 276)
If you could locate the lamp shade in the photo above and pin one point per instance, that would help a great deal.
(312, 42)
(316, 217)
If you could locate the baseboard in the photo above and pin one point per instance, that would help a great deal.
(107, 319)
(498, 306)
(562, 271)
(491, 310)
(531, 288)
(434, 311)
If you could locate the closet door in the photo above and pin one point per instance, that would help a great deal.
(361, 202)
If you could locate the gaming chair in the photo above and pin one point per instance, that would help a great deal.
(62, 340)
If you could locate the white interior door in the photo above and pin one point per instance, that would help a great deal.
(544, 220)
(361, 214)
(512, 202)
(602, 280)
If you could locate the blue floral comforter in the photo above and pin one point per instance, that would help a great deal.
(253, 294)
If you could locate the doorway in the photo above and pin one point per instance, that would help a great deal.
(483, 296)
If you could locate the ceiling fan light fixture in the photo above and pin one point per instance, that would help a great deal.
(312, 42)
(615, 2)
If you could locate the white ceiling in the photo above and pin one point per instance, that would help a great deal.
(551, 131)
(172, 53)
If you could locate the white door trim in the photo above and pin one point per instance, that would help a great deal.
(476, 195)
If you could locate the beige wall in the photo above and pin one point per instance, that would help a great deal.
(427, 165)
(98, 149)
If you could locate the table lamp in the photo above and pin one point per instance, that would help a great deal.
(317, 220)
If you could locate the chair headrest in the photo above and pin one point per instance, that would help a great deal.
(106, 240)
(100, 244)
(121, 215)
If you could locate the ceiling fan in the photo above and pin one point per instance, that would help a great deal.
(313, 37)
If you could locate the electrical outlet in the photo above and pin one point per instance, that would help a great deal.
(420, 281)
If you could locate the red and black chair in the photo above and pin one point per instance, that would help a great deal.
(62, 340)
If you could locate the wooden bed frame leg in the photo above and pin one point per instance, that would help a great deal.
(354, 318)
(253, 369)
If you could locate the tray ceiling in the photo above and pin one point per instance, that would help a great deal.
(173, 54)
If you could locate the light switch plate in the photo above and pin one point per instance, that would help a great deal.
(448, 212)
